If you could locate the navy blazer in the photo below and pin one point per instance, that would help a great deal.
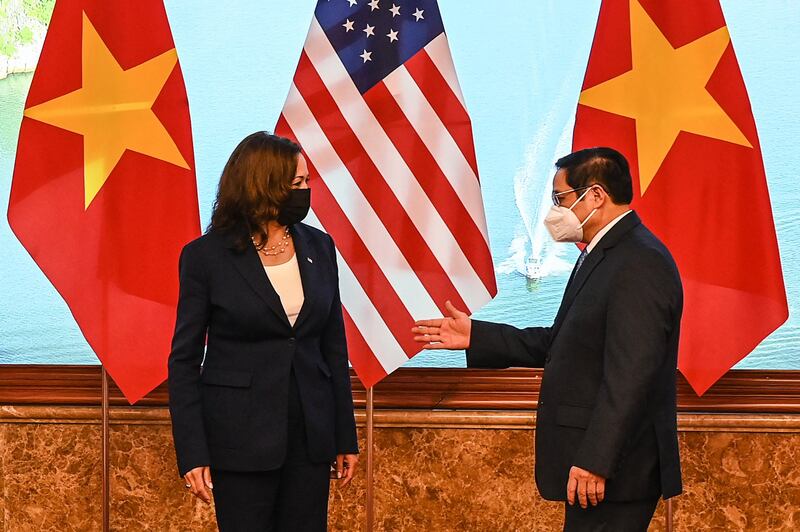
(607, 399)
(233, 351)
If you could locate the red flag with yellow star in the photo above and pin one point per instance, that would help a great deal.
(663, 86)
(104, 193)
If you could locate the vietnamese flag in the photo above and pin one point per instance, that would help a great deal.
(663, 86)
(104, 194)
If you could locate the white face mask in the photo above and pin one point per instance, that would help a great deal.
(563, 225)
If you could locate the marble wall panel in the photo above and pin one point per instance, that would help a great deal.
(454, 479)
(146, 491)
(426, 479)
(51, 477)
(739, 481)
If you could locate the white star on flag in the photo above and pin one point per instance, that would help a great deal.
(418, 14)
(373, 5)
(348, 25)
(369, 30)
(353, 2)
(366, 56)
(395, 10)
(392, 35)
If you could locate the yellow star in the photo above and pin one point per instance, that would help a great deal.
(665, 92)
(112, 110)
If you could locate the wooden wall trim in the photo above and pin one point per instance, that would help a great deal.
(739, 391)
(396, 418)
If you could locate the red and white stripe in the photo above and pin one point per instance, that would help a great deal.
(395, 184)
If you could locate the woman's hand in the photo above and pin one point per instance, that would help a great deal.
(346, 467)
(451, 332)
(198, 481)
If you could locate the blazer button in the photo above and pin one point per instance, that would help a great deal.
(291, 340)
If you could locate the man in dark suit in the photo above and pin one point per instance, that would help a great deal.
(606, 434)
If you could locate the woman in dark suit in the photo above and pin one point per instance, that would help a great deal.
(258, 377)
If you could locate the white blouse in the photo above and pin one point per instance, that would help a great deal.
(285, 278)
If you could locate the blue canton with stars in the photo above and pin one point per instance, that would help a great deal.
(374, 37)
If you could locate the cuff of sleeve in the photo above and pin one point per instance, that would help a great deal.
(348, 451)
(187, 463)
(481, 347)
(594, 464)
(347, 445)
(185, 468)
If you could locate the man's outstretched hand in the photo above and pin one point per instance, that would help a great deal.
(450, 332)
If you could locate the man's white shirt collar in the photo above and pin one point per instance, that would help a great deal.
(602, 232)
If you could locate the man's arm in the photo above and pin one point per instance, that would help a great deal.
(495, 345)
(640, 320)
(488, 345)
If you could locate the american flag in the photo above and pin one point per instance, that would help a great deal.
(376, 106)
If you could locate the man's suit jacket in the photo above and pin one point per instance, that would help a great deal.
(231, 413)
(607, 400)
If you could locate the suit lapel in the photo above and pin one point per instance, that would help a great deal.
(593, 259)
(309, 269)
(248, 263)
(576, 283)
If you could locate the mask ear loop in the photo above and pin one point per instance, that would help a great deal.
(587, 218)
(578, 200)
(580, 197)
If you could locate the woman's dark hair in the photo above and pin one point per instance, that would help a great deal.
(255, 182)
(604, 166)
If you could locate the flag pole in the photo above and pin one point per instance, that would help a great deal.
(670, 516)
(105, 491)
(370, 464)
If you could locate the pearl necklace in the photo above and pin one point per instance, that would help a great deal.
(277, 249)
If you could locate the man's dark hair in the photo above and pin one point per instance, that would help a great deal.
(604, 166)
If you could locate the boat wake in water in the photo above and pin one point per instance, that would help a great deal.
(532, 253)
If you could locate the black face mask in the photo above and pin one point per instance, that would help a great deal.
(296, 206)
